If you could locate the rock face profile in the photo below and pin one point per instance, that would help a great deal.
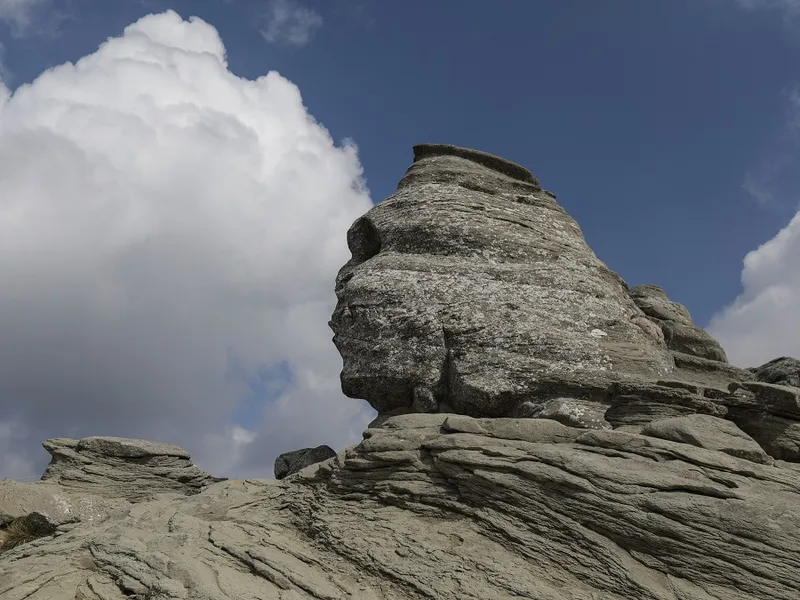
(544, 431)
(471, 288)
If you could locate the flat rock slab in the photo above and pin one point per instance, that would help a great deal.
(712, 433)
(123, 467)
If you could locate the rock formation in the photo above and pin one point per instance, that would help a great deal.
(290, 463)
(680, 332)
(473, 290)
(122, 467)
(543, 432)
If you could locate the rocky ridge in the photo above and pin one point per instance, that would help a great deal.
(543, 432)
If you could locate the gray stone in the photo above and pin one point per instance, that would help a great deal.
(770, 414)
(470, 297)
(680, 332)
(712, 433)
(707, 373)
(573, 412)
(782, 371)
(123, 467)
(473, 283)
(290, 463)
(452, 508)
(637, 403)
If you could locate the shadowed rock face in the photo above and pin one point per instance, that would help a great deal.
(290, 463)
(471, 290)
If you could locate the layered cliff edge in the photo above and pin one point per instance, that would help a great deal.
(544, 431)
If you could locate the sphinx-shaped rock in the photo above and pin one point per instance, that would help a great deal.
(123, 467)
(680, 332)
(471, 290)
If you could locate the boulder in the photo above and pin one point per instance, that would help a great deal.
(290, 463)
(127, 468)
(471, 287)
(782, 371)
(574, 412)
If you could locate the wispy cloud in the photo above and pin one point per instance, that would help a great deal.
(789, 8)
(290, 23)
(762, 181)
(19, 14)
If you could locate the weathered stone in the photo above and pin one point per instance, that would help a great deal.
(680, 332)
(431, 512)
(768, 413)
(637, 403)
(123, 467)
(780, 400)
(782, 371)
(573, 412)
(290, 463)
(778, 436)
(473, 283)
(60, 504)
(707, 373)
(712, 433)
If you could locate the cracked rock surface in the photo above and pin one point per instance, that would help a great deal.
(472, 288)
(451, 507)
(123, 467)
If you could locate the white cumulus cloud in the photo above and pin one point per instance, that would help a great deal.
(167, 230)
(764, 321)
(289, 23)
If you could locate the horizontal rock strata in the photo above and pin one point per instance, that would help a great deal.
(123, 467)
(452, 507)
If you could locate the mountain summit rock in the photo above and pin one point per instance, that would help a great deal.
(544, 431)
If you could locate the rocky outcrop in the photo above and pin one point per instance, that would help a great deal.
(536, 438)
(452, 507)
(471, 290)
(290, 463)
(675, 322)
(782, 371)
(123, 468)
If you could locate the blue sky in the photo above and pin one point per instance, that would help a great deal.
(668, 130)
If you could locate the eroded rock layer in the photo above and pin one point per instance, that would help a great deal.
(123, 467)
(456, 508)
